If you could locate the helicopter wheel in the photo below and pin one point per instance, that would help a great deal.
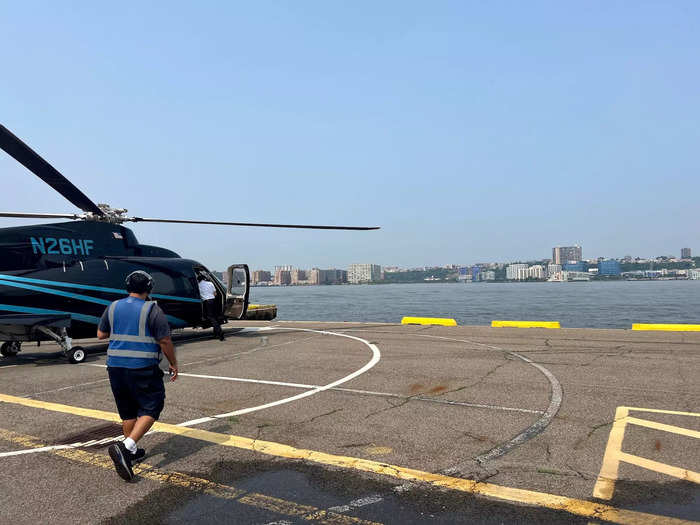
(10, 348)
(76, 354)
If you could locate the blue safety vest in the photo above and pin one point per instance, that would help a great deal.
(130, 342)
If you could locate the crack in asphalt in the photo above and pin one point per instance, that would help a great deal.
(594, 428)
(479, 381)
(392, 407)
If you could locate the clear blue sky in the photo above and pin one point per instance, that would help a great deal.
(470, 131)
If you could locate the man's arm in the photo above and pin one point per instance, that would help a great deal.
(160, 329)
(103, 329)
(168, 349)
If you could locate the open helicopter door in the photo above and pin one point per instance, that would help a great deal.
(237, 291)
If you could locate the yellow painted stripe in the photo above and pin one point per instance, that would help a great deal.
(663, 426)
(663, 468)
(659, 411)
(542, 499)
(253, 499)
(429, 320)
(667, 327)
(525, 324)
(605, 483)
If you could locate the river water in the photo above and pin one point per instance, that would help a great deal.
(615, 304)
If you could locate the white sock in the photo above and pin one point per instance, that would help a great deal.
(130, 445)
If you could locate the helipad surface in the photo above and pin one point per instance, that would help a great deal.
(357, 423)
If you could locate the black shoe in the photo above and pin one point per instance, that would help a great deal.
(138, 455)
(221, 338)
(122, 460)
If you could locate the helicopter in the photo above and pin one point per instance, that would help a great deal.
(57, 279)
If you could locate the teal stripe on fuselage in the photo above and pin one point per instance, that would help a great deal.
(90, 287)
(51, 291)
(30, 310)
(175, 321)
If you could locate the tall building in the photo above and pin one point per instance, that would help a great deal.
(564, 254)
(513, 271)
(261, 276)
(283, 275)
(332, 276)
(364, 273)
(298, 276)
(685, 253)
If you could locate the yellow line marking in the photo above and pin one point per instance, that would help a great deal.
(605, 484)
(663, 468)
(429, 320)
(658, 411)
(526, 324)
(542, 499)
(253, 499)
(663, 426)
(667, 327)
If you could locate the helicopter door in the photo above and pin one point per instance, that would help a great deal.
(237, 291)
(219, 299)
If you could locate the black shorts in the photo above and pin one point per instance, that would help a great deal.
(137, 391)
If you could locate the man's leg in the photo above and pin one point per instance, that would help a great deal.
(143, 425)
(209, 310)
(128, 426)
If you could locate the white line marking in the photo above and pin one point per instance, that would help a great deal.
(6, 366)
(376, 356)
(366, 392)
(248, 351)
(244, 380)
(79, 444)
(65, 388)
(355, 504)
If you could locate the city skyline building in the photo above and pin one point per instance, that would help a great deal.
(364, 273)
(685, 253)
(261, 276)
(609, 267)
(564, 254)
(513, 271)
(536, 271)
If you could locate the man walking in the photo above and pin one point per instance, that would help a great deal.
(207, 292)
(138, 331)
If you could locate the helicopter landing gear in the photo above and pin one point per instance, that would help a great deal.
(75, 354)
(10, 348)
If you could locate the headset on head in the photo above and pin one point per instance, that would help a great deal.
(139, 282)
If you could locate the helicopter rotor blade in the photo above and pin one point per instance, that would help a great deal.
(262, 225)
(23, 215)
(31, 160)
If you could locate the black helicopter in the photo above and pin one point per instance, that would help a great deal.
(56, 279)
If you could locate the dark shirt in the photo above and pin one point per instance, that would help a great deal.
(157, 323)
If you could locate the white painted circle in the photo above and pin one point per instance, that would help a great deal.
(376, 356)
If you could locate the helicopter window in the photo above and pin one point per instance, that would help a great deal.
(170, 284)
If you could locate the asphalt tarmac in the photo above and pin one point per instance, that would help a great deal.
(368, 423)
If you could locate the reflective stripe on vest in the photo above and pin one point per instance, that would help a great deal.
(131, 344)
